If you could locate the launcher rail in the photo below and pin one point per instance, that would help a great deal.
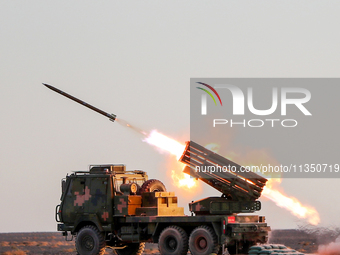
(236, 185)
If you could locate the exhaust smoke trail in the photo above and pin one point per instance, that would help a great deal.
(134, 128)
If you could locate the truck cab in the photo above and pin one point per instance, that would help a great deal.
(89, 196)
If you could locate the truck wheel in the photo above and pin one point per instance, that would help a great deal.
(152, 185)
(90, 241)
(203, 241)
(132, 249)
(173, 241)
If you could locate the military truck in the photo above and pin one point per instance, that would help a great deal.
(108, 206)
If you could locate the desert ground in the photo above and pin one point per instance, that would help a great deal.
(41, 243)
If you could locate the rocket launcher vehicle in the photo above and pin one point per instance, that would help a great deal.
(239, 188)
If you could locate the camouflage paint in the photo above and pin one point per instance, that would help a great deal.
(105, 215)
(81, 198)
(121, 205)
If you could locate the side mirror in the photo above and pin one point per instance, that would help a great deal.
(63, 186)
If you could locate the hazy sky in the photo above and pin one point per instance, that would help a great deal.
(135, 59)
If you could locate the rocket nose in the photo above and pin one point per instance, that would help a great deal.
(48, 86)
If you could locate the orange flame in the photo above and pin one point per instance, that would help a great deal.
(174, 147)
(165, 143)
(183, 180)
(292, 204)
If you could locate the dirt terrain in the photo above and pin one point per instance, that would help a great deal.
(40, 243)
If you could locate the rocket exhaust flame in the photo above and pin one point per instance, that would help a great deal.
(165, 143)
(183, 180)
(291, 204)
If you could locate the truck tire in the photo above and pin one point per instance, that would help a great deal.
(152, 185)
(173, 241)
(90, 241)
(203, 241)
(132, 249)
